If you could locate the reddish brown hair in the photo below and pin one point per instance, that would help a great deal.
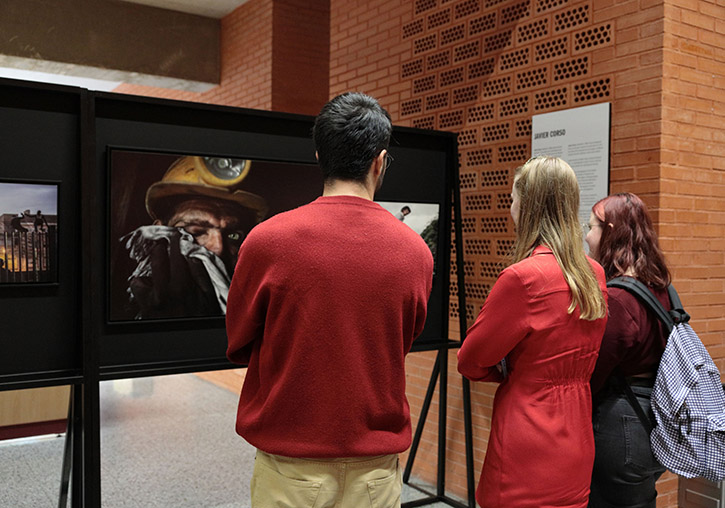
(629, 240)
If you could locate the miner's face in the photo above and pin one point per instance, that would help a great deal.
(216, 228)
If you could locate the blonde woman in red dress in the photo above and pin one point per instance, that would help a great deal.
(545, 316)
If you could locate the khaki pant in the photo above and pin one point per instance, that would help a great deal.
(285, 482)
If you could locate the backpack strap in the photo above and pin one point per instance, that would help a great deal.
(677, 313)
(632, 398)
(669, 319)
(648, 299)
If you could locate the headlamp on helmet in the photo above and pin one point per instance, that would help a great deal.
(214, 177)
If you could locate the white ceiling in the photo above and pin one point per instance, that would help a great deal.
(208, 8)
(100, 85)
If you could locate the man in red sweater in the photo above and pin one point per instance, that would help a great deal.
(324, 305)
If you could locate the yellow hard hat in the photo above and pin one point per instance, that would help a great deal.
(215, 177)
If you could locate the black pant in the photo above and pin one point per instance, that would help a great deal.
(625, 471)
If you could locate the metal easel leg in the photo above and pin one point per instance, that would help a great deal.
(440, 372)
(442, 420)
(421, 420)
(468, 430)
(67, 452)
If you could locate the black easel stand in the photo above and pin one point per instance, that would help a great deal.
(67, 456)
(72, 453)
(440, 372)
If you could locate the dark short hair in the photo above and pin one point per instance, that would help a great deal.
(350, 131)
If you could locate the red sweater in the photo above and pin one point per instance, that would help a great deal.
(324, 305)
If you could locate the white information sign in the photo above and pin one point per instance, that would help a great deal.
(580, 136)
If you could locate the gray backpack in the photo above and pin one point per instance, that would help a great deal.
(687, 399)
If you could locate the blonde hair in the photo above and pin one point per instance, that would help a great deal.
(548, 194)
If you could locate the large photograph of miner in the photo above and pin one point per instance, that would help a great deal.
(28, 233)
(176, 223)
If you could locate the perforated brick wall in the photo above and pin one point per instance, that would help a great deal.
(483, 69)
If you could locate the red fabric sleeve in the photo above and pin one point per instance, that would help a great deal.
(246, 305)
(502, 323)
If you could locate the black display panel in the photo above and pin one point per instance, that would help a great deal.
(138, 140)
(96, 155)
(40, 130)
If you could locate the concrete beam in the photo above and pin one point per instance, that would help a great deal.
(116, 41)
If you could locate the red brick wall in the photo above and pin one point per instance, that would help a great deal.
(301, 55)
(366, 50)
(247, 57)
(692, 165)
(692, 192)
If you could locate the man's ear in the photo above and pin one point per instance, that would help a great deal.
(379, 163)
(317, 157)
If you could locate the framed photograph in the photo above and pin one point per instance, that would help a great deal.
(176, 223)
(421, 217)
(28, 232)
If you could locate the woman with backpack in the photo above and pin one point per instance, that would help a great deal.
(622, 239)
(544, 317)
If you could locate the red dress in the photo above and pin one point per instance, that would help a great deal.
(541, 447)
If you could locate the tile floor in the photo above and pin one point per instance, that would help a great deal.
(165, 442)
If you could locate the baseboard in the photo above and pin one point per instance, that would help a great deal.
(33, 429)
